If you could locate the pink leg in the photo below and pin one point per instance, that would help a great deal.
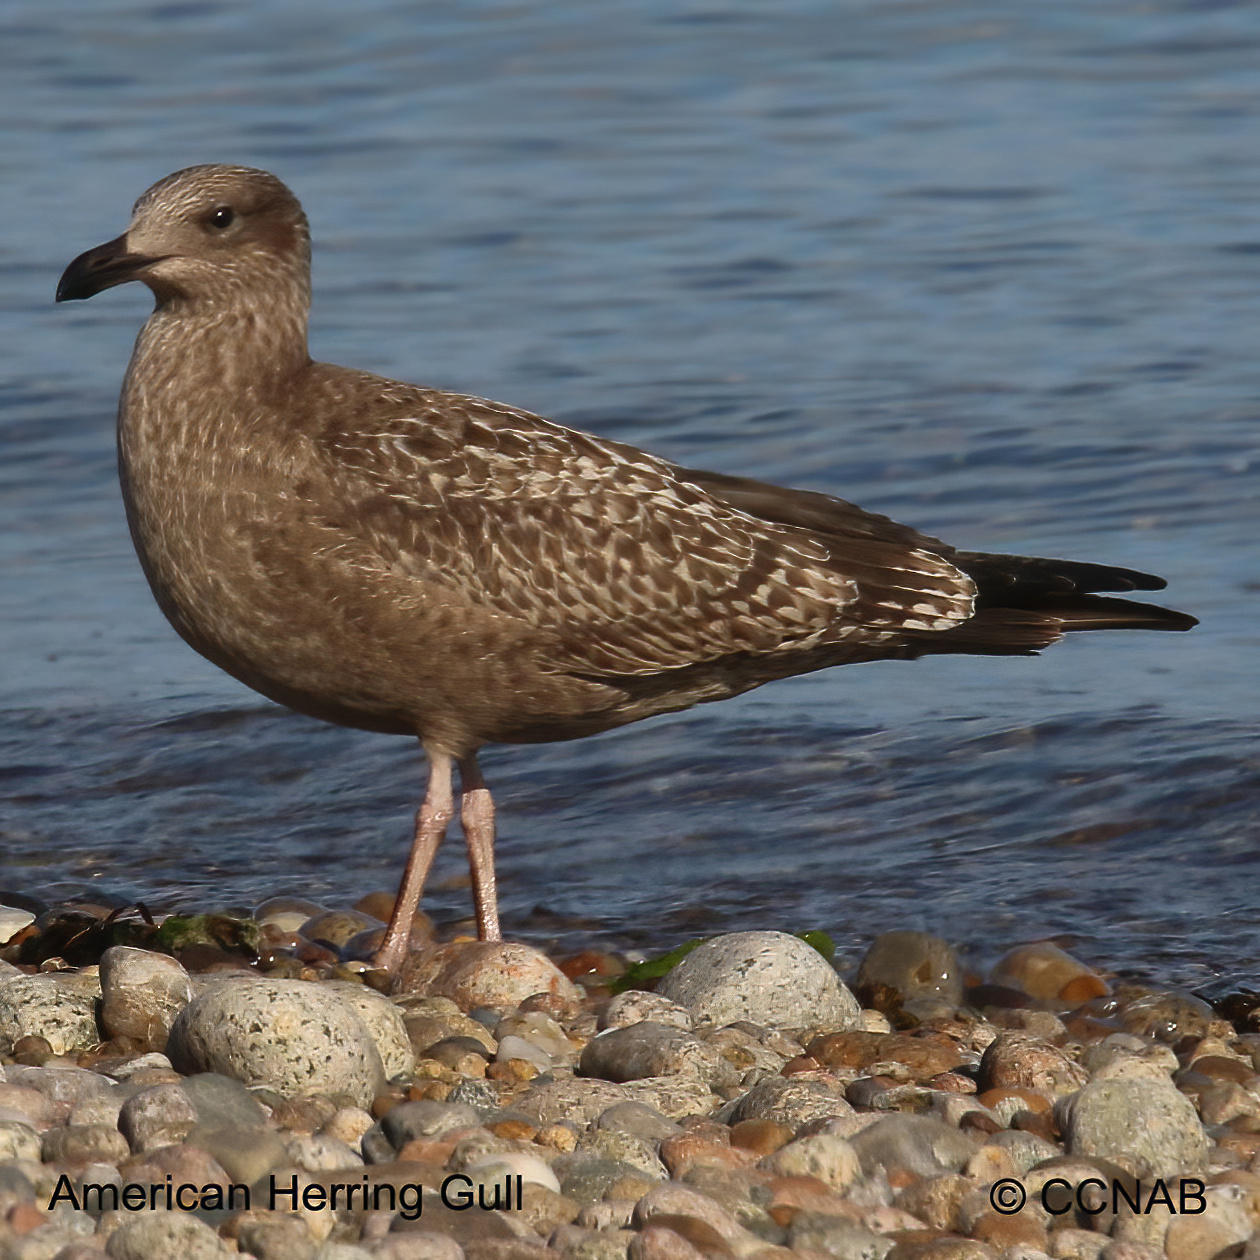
(432, 819)
(477, 817)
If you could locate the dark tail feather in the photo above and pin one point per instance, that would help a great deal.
(1011, 581)
(1043, 620)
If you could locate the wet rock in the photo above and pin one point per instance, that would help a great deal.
(433, 1019)
(141, 993)
(1048, 973)
(287, 1034)
(287, 913)
(767, 978)
(1149, 1122)
(650, 1049)
(908, 967)
(495, 974)
(335, 927)
(58, 1007)
(1164, 1014)
(634, 1006)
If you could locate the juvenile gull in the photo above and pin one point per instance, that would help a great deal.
(405, 560)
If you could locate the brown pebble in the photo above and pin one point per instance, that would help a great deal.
(24, 1217)
(307, 1114)
(952, 1083)
(557, 1005)
(1002, 1232)
(519, 1130)
(680, 1152)
(802, 1063)
(656, 1242)
(1032, 1100)
(32, 1051)
(978, 1122)
(762, 1137)
(512, 1070)
(1039, 1125)
(384, 1103)
(921, 1057)
(557, 1137)
(437, 1091)
(1221, 1068)
(427, 1151)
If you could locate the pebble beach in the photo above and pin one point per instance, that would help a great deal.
(203, 1086)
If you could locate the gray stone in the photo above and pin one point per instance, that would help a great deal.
(276, 1236)
(98, 1109)
(424, 1245)
(648, 1049)
(918, 1145)
(425, 1119)
(222, 1102)
(60, 1084)
(636, 1119)
(767, 978)
(288, 1034)
(844, 1239)
(1148, 1121)
(246, 1154)
(581, 1100)
(588, 1180)
(141, 993)
(162, 1235)
(58, 1007)
(788, 1101)
(160, 1115)
(74, 1144)
(638, 1152)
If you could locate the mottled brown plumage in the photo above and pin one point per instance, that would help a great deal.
(416, 562)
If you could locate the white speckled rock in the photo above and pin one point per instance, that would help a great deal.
(160, 1235)
(60, 1008)
(384, 1022)
(767, 978)
(294, 1036)
(141, 994)
(1147, 1120)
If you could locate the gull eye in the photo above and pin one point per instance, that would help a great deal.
(220, 217)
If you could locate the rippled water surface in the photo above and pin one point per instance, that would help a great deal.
(992, 269)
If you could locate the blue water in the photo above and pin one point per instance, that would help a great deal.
(991, 269)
